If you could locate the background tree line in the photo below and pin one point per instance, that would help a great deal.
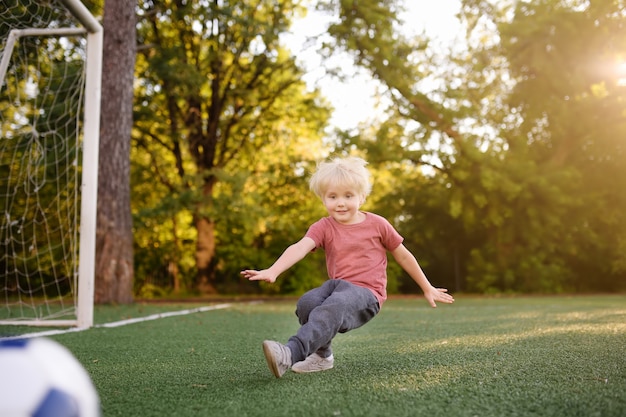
(502, 163)
(500, 160)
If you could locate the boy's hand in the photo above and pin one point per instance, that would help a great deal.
(433, 294)
(264, 275)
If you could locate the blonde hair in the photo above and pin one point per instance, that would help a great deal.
(348, 171)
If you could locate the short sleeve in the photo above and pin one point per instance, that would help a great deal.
(316, 232)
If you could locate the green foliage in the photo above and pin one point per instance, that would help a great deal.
(224, 131)
(501, 162)
(581, 116)
(508, 158)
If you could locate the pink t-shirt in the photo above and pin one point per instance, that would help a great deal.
(357, 252)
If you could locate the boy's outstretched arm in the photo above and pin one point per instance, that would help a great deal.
(408, 262)
(290, 257)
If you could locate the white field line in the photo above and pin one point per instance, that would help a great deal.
(121, 322)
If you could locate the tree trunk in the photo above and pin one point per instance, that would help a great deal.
(114, 238)
(205, 244)
(173, 268)
(205, 251)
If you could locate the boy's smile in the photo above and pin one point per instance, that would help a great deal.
(343, 203)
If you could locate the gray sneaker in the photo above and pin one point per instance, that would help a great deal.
(314, 363)
(278, 357)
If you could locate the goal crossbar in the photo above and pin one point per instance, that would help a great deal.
(15, 34)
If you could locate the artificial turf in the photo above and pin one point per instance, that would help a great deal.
(517, 356)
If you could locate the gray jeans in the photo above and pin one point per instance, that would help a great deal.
(335, 307)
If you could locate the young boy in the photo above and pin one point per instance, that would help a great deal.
(356, 245)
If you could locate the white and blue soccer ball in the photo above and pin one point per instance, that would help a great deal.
(41, 378)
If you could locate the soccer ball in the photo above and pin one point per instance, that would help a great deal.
(41, 378)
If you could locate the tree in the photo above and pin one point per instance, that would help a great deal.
(215, 89)
(423, 133)
(114, 238)
(582, 120)
(516, 189)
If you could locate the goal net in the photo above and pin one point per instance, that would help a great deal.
(50, 65)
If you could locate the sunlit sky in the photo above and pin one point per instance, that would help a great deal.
(354, 98)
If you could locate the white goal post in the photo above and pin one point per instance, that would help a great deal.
(69, 303)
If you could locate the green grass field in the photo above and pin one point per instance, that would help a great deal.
(522, 356)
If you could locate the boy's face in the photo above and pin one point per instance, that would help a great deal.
(343, 203)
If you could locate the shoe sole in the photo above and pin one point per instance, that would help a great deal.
(271, 362)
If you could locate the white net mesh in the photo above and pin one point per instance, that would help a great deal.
(41, 100)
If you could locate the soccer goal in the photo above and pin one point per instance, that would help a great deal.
(50, 71)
